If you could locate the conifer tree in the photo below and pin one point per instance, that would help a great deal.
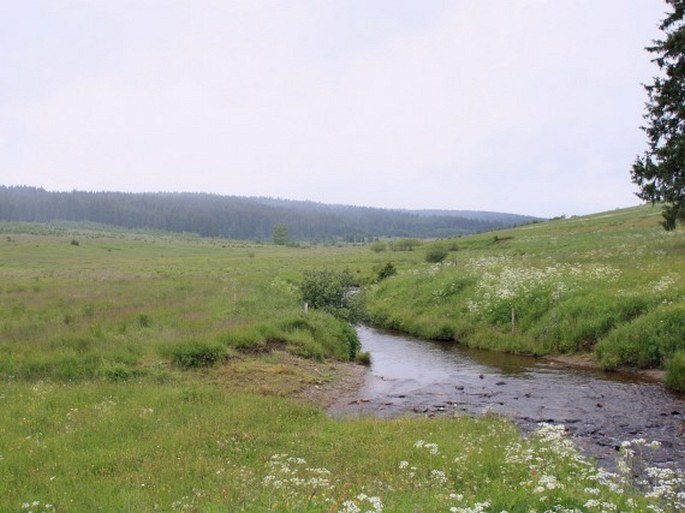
(660, 172)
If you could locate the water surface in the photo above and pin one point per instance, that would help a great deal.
(600, 409)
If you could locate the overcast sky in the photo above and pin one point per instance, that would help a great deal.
(524, 106)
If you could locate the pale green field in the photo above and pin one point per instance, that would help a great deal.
(100, 411)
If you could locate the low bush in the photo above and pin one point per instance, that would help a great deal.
(364, 358)
(436, 254)
(675, 371)
(330, 291)
(378, 246)
(144, 320)
(407, 244)
(196, 354)
(386, 271)
(117, 371)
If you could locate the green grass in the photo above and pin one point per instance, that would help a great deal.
(123, 300)
(613, 283)
(198, 447)
(148, 372)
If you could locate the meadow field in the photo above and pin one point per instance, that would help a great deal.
(612, 284)
(155, 372)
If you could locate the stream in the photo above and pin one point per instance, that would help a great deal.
(600, 409)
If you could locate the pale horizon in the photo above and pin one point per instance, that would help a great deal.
(529, 108)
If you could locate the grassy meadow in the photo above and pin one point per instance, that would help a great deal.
(612, 284)
(150, 372)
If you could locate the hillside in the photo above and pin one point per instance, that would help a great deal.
(612, 284)
(160, 372)
(244, 218)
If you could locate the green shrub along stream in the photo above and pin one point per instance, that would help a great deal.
(148, 372)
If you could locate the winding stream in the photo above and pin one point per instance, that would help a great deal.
(600, 409)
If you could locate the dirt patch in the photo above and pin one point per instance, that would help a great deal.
(285, 375)
(345, 379)
(587, 361)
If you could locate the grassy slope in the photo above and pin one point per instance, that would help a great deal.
(95, 415)
(612, 282)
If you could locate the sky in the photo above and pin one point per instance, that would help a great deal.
(521, 106)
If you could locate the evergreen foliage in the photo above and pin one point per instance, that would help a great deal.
(242, 218)
(280, 235)
(660, 172)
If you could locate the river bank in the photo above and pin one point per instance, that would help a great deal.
(600, 409)
(588, 361)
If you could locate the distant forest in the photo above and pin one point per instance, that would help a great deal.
(244, 218)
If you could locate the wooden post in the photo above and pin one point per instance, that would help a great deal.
(513, 320)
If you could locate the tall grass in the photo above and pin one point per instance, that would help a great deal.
(143, 372)
(131, 301)
(612, 283)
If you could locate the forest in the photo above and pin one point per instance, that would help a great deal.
(243, 218)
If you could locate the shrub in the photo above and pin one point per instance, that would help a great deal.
(386, 271)
(675, 371)
(196, 354)
(378, 246)
(329, 291)
(117, 371)
(364, 358)
(436, 254)
(144, 320)
(405, 244)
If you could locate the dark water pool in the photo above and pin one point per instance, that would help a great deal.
(410, 376)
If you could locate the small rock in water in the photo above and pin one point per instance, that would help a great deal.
(481, 376)
(500, 383)
(459, 387)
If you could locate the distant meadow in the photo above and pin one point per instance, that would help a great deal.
(171, 372)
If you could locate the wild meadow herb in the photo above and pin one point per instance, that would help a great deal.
(597, 284)
(362, 503)
(549, 472)
(37, 507)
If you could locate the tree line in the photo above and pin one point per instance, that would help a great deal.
(245, 218)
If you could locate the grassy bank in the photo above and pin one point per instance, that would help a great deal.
(197, 446)
(142, 372)
(613, 283)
